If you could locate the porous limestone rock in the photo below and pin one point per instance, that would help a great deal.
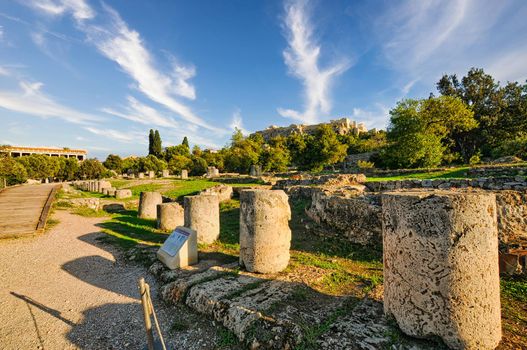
(441, 266)
(223, 192)
(265, 236)
(141, 175)
(184, 174)
(170, 216)
(512, 211)
(352, 215)
(202, 214)
(101, 185)
(148, 202)
(110, 191)
(165, 173)
(124, 193)
(151, 174)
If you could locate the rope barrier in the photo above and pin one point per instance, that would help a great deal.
(148, 311)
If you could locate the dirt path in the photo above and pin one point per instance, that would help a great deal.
(64, 290)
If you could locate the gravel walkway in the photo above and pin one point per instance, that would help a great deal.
(65, 290)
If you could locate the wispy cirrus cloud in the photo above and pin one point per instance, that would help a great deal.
(79, 9)
(237, 121)
(116, 41)
(302, 59)
(139, 112)
(122, 136)
(425, 39)
(31, 100)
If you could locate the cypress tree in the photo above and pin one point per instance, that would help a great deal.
(185, 142)
(151, 142)
(157, 144)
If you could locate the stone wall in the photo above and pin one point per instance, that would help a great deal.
(357, 218)
(501, 183)
(326, 180)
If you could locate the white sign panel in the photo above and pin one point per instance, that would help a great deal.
(175, 241)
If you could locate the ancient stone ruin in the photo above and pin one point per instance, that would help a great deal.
(202, 214)
(148, 202)
(265, 236)
(441, 273)
(170, 216)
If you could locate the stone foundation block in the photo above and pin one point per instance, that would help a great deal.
(265, 236)
(441, 273)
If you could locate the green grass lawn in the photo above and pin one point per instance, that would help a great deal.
(176, 189)
(454, 173)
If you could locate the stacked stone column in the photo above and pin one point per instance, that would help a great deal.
(202, 214)
(441, 273)
(265, 236)
(148, 202)
(169, 216)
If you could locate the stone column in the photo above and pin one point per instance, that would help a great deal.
(441, 273)
(141, 175)
(184, 174)
(165, 173)
(148, 202)
(202, 214)
(151, 174)
(265, 236)
(170, 216)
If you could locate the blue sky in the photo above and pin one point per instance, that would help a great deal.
(98, 75)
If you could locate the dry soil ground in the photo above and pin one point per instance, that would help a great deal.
(65, 290)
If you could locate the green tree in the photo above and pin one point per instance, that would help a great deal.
(178, 163)
(130, 165)
(421, 132)
(39, 166)
(275, 156)
(199, 166)
(11, 170)
(91, 169)
(151, 162)
(501, 112)
(68, 168)
(179, 150)
(151, 137)
(243, 152)
(185, 142)
(157, 145)
(323, 148)
(113, 162)
(296, 144)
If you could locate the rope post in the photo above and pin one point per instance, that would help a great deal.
(146, 313)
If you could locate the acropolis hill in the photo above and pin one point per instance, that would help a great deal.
(341, 126)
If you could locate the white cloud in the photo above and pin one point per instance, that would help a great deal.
(302, 58)
(378, 117)
(4, 71)
(78, 8)
(127, 137)
(125, 47)
(237, 121)
(511, 66)
(141, 113)
(425, 39)
(31, 100)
